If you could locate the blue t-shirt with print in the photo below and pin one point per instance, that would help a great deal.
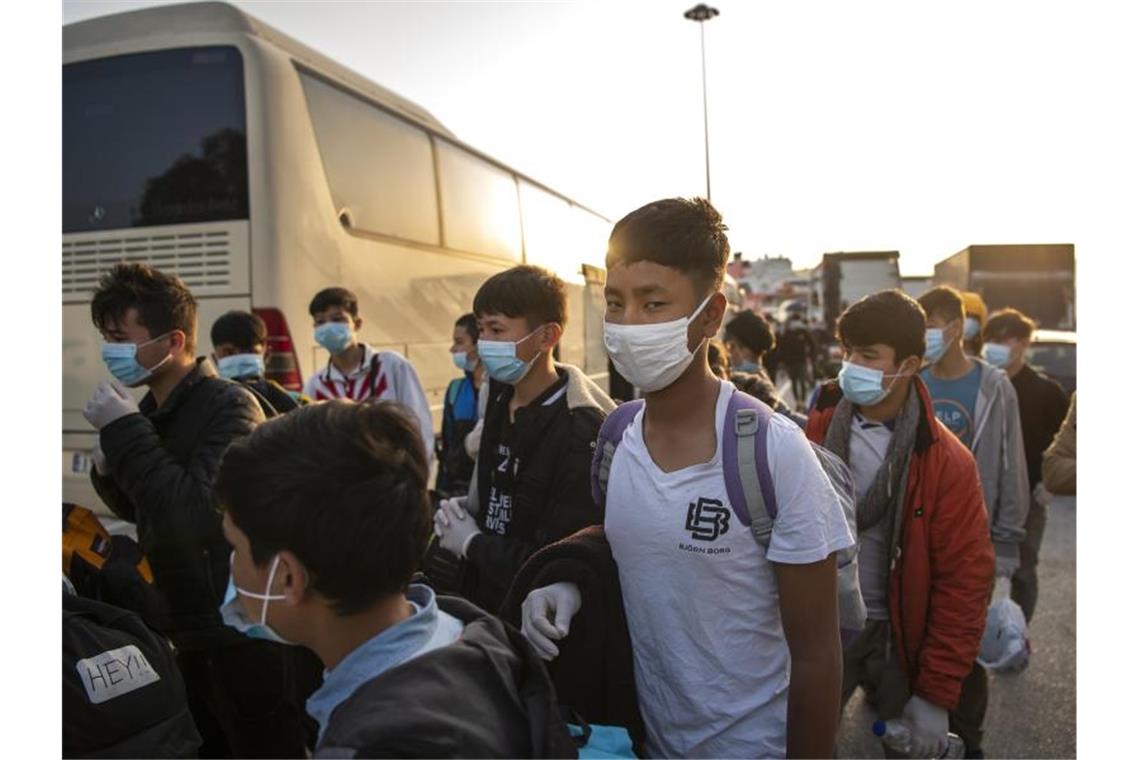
(954, 401)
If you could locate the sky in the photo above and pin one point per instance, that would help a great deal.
(832, 126)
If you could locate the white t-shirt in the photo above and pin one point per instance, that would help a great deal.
(867, 449)
(710, 659)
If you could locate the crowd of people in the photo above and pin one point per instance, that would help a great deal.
(704, 571)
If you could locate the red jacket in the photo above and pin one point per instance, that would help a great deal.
(943, 567)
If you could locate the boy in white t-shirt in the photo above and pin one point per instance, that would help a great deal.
(736, 652)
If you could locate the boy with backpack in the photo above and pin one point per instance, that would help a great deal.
(240, 339)
(358, 372)
(463, 407)
(735, 641)
(532, 474)
(327, 510)
(925, 557)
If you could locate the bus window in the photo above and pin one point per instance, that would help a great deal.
(546, 230)
(154, 139)
(378, 166)
(480, 204)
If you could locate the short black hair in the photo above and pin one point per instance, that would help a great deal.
(241, 329)
(1008, 323)
(470, 324)
(945, 302)
(890, 317)
(163, 301)
(685, 234)
(524, 291)
(341, 485)
(330, 297)
(751, 331)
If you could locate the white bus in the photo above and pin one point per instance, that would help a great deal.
(201, 141)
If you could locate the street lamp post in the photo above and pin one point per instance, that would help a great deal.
(702, 13)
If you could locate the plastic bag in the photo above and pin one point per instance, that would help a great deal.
(1005, 644)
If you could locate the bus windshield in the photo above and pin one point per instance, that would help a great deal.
(154, 138)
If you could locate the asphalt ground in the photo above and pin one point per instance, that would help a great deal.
(1032, 714)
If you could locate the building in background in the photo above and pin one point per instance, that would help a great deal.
(1037, 279)
(843, 278)
(916, 286)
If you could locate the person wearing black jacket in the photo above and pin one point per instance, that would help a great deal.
(155, 463)
(327, 509)
(1042, 405)
(240, 339)
(532, 477)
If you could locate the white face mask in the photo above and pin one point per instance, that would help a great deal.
(652, 356)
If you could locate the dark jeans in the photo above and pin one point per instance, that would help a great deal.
(967, 718)
(1023, 588)
(248, 699)
(801, 385)
(866, 663)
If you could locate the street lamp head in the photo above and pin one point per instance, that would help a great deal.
(701, 12)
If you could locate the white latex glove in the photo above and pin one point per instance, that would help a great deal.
(1042, 495)
(1006, 566)
(109, 402)
(929, 726)
(471, 441)
(454, 526)
(1001, 590)
(99, 458)
(560, 601)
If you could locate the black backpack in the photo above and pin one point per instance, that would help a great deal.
(123, 695)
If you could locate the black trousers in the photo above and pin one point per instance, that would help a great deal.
(248, 699)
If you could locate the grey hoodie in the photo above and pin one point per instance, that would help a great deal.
(1000, 454)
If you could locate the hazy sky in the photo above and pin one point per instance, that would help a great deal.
(833, 126)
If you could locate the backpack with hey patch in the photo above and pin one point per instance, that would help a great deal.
(751, 492)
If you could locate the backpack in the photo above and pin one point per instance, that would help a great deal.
(751, 492)
(123, 695)
(108, 568)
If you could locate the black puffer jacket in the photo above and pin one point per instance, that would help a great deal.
(553, 450)
(486, 695)
(162, 464)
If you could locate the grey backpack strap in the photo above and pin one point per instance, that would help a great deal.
(609, 436)
(747, 425)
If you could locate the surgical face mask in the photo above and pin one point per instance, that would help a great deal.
(122, 361)
(460, 360)
(652, 356)
(233, 614)
(335, 337)
(501, 361)
(997, 354)
(241, 365)
(971, 328)
(936, 345)
(863, 385)
(750, 367)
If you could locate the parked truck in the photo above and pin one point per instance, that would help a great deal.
(1039, 280)
(843, 278)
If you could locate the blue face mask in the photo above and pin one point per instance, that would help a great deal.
(498, 356)
(997, 354)
(122, 361)
(972, 328)
(936, 345)
(864, 386)
(233, 614)
(460, 360)
(241, 365)
(335, 337)
(750, 367)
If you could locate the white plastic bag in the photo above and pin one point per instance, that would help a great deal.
(1005, 644)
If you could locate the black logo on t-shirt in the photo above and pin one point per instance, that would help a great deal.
(707, 519)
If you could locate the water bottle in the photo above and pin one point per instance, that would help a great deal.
(896, 735)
